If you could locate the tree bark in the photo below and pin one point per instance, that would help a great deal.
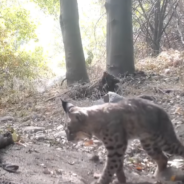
(120, 53)
(74, 55)
(155, 46)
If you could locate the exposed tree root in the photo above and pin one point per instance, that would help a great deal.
(92, 90)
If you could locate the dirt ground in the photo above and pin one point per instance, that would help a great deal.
(46, 157)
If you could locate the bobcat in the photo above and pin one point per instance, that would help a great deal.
(115, 123)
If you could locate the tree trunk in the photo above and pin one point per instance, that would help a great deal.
(157, 31)
(74, 55)
(155, 48)
(120, 53)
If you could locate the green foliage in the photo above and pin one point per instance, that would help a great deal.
(16, 22)
(49, 6)
(17, 28)
(21, 64)
(89, 58)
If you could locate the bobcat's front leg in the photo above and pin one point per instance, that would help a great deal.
(107, 173)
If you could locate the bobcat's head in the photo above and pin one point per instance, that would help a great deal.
(77, 127)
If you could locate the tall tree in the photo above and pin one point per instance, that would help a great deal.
(74, 55)
(120, 53)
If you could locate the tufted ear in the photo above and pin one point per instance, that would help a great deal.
(66, 106)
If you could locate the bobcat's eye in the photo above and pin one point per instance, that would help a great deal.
(70, 135)
(78, 118)
(70, 132)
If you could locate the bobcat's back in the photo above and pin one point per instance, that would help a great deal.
(136, 117)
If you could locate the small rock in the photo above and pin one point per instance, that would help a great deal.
(167, 71)
(38, 107)
(25, 118)
(74, 174)
(34, 116)
(59, 127)
(71, 163)
(6, 118)
(145, 160)
(60, 134)
(59, 171)
(90, 172)
(26, 123)
(33, 129)
(43, 165)
(40, 137)
(47, 171)
(97, 142)
(178, 126)
(96, 175)
(171, 102)
(59, 149)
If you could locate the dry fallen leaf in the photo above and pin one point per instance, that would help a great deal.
(139, 168)
(88, 143)
(173, 178)
(179, 111)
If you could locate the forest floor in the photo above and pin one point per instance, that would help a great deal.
(46, 157)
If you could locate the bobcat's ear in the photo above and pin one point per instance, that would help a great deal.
(66, 106)
(81, 114)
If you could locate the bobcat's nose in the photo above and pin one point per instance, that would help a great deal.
(70, 136)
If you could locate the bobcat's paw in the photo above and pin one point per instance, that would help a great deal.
(117, 182)
(95, 182)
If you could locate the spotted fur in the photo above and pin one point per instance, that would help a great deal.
(116, 123)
